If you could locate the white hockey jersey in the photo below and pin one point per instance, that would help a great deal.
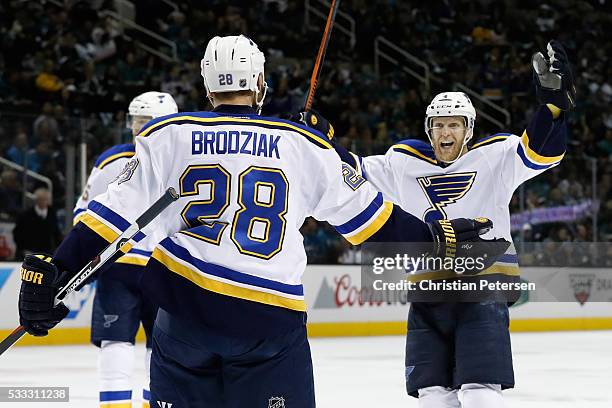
(246, 184)
(106, 169)
(478, 184)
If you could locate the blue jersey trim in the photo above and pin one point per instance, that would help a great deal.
(529, 163)
(109, 215)
(140, 252)
(361, 218)
(114, 151)
(230, 274)
(508, 258)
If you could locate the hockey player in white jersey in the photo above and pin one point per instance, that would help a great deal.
(464, 348)
(230, 331)
(119, 305)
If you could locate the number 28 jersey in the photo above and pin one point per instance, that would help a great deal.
(246, 184)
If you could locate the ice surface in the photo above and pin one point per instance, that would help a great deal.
(556, 370)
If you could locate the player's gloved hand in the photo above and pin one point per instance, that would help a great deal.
(313, 119)
(553, 77)
(40, 281)
(460, 238)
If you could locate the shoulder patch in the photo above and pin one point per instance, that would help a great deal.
(116, 152)
(487, 140)
(212, 119)
(416, 148)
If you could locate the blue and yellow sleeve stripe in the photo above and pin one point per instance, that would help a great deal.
(367, 222)
(135, 256)
(534, 160)
(107, 224)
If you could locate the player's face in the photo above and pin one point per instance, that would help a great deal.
(138, 122)
(447, 134)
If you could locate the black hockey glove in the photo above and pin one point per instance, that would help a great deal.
(40, 281)
(460, 238)
(553, 77)
(313, 119)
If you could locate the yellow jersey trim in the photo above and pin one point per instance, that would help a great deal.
(132, 260)
(76, 219)
(114, 157)
(556, 112)
(491, 140)
(310, 135)
(99, 227)
(374, 226)
(535, 157)
(226, 289)
(415, 152)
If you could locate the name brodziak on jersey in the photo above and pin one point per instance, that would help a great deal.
(235, 142)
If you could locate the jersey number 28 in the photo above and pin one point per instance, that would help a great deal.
(258, 227)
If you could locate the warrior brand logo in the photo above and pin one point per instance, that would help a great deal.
(276, 402)
(110, 319)
(443, 190)
(163, 404)
(582, 284)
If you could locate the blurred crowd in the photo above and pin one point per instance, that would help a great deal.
(69, 69)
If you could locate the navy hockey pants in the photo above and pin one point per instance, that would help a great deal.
(450, 344)
(120, 306)
(194, 366)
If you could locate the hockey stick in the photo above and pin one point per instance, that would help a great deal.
(316, 71)
(110, 254)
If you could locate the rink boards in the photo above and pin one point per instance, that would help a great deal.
(339, 307)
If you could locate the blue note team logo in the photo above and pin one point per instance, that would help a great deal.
(443, 190)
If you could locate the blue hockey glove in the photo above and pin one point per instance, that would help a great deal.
(40, 281)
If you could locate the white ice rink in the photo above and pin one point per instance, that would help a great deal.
(556, 370)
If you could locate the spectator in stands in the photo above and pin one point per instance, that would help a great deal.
(10, 195)
(19, 150)
(36, 230)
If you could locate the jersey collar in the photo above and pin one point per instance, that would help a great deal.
(235, 109)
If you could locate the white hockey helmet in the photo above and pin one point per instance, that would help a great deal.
(151, 104)
(451, 104)
(233, 63)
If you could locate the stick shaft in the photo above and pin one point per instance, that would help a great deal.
(316, 71)
(110, 254)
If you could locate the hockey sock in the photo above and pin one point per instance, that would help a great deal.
(481, 396)
(115, 366)
(146, 393)
(438, 397)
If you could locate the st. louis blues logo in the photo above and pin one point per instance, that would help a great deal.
(444, 189)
